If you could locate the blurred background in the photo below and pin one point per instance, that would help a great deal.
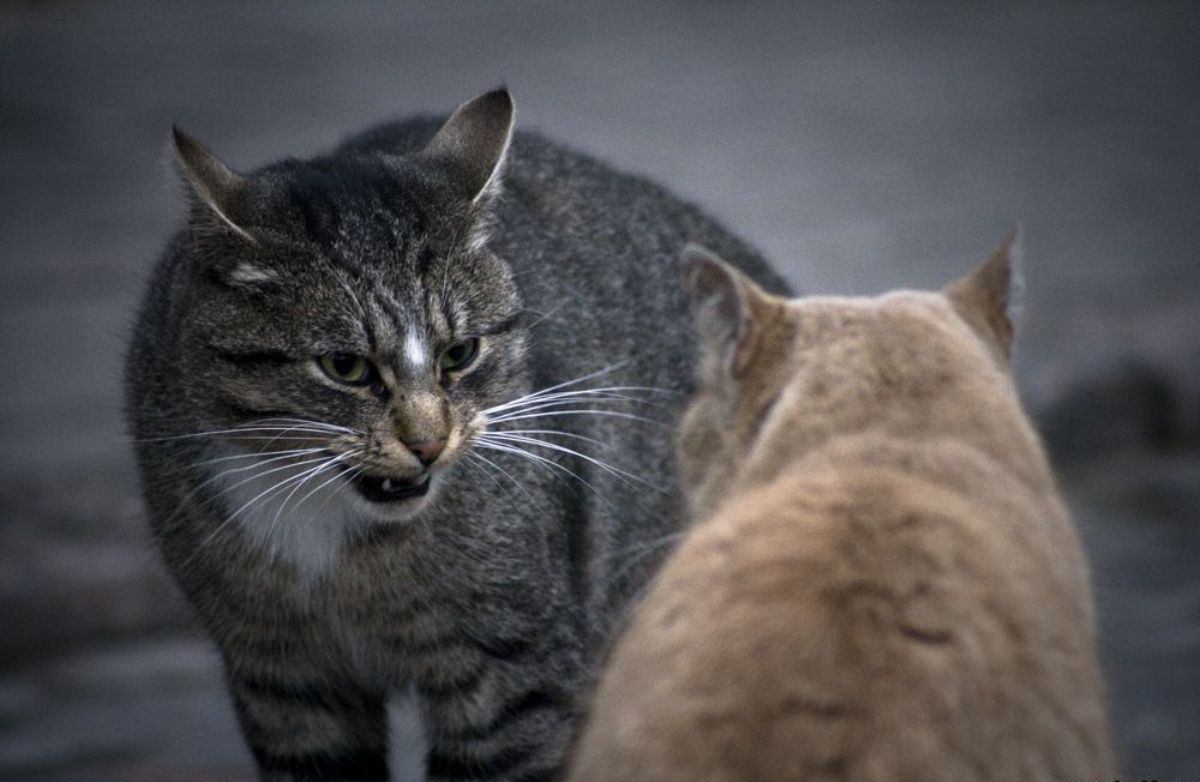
(862, 145)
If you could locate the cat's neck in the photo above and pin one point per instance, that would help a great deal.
(940, 452)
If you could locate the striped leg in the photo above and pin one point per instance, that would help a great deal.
(506, 718)
(311, 729)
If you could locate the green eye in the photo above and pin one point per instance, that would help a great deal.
(347, 368)
(459, 355)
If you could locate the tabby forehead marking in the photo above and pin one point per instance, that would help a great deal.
(415, 349)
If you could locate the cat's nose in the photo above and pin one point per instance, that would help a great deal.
(428, 451)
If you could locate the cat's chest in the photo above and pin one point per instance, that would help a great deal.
(423, 614)
(387, 616)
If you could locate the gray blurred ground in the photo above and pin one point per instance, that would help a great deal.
(862, 145)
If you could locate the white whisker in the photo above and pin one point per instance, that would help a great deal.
(556, 432)
(305, 478)
(276, 486)
(578, 380)
(303, 422)
(350, 474)
(563, 404)
(606, 392)
(503, 472)
(544, 315)
(257, 455)
(640, 552)
(566, 403)
(325, 483)
(554, 413)
(309, 474)
(536, 458)
(615, 471)
(241, 430)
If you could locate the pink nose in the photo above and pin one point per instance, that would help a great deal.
(427, 451)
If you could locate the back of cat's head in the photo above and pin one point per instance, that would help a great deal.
(780, 377)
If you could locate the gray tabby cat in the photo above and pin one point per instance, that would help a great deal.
(392, 413)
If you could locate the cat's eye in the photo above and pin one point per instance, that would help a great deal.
(347, 368)
(459, 355)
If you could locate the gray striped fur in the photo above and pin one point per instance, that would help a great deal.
(494, 600)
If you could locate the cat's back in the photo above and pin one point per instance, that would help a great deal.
(860, 622)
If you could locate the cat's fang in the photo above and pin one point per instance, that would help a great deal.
(388, 489)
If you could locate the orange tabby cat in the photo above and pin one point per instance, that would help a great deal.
(883, 583)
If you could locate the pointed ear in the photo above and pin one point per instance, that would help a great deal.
(723, 304)
(989, 298)
(218, 192)
(474, 141)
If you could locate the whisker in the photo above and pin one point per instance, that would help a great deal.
(263, 457)
(284, 482)
(270, 457)
(536, 458)
(578, 380)
(548, 463)
(240, 430)
(503, 472)
(566, 403)
(263, 425)
(641, 547)
(557, 432)
(322, 485)
(281, 438)
(301, 421)
(544, 315)
(609, 392)
(305, 478)
(257, 455)
(552, 414)
(312, 472)
(258, 475)
(616, 471)
(350, 474)
(642, 551)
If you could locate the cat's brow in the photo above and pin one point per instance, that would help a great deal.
(511, 321)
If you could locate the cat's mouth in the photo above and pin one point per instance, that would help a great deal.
(386, 488)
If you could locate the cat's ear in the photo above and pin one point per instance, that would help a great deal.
(723, 304)
(474, 141)
(218, 194)
(989, 298)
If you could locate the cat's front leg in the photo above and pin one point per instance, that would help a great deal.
(312, 727)
(506, 717)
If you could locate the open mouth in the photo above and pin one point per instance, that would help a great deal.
(378, 488)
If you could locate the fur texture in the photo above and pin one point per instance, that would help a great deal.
(884, 584)
(326, 365)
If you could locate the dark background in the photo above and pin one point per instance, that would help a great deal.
(861, 145)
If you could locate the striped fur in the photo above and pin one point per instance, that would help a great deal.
(488, 595)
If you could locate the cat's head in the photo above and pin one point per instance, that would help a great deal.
(346, 313)
(778, 377)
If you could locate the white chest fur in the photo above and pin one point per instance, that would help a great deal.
(298, 510)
